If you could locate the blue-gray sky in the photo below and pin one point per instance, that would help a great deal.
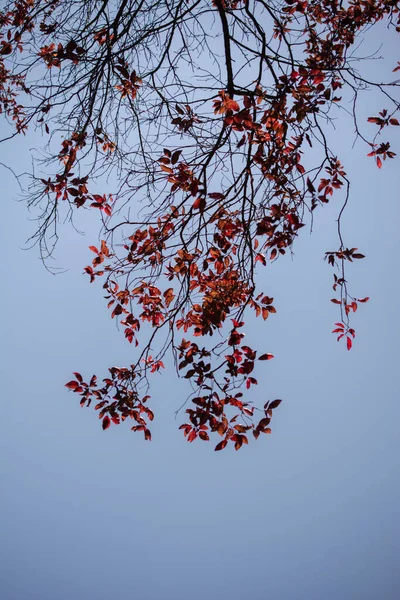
(309, 512)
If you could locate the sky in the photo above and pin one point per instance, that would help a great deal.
(308, 512)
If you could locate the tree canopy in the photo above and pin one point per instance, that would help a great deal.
(214, 118)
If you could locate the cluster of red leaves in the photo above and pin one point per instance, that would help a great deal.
(12, 84)
(66, 186)
(215, 277)
(129, 82)
(193, 267)
(209, 414)
(186, 118)
(53, 56)
(216, 281)
(116, 400)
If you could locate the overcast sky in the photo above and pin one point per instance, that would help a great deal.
(309, 512)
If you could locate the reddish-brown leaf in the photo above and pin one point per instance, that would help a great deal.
(106, 423)
(266, 356)
(192, 435)
(175, 156)
(274, 404)
(72, 385)
(199, 203)
(221, 445)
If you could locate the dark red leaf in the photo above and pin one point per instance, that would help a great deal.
(266, 357)
(199, 203)
(310, 186)
(175, 156)
(106, 423)
(72, 385)
(274, 404)
(221, 445)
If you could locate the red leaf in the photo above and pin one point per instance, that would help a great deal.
(106, 423)
(6, 48)
(72, 385)
(246, 102)
(237, 324)
(175, 156)
(274, 404)
(263, 423)
(221, 445)
(349, 343)
(100, 405)
(104, 248)
(266, 357)
(378, 162)
(239, 442)
(265, 312)
(199, 203)
(310, 186)
(79, 377)
(147, 434)
(192, 435)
